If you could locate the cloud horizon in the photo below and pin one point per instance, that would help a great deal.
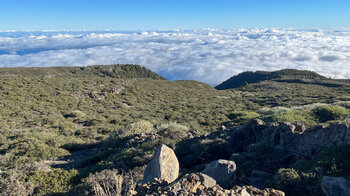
(207, 55)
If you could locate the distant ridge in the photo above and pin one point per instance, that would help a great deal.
(113, 71)
(249, 77)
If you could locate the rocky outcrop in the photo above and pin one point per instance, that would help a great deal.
(291, 137)
(223, 171)
(164, 165)
(198, 184)
(332, 186)
(316, 138)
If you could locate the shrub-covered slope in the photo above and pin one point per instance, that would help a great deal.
(60, 125)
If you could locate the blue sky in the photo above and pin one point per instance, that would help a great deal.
(170, 14)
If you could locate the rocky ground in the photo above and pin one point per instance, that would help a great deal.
(219, 177)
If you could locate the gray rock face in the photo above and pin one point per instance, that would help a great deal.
(291, 137)
(223, 171)
(316, 138)
(164, 165)
(332, 186)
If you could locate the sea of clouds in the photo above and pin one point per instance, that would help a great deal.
(207, 55)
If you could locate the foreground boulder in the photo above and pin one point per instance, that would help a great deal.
(332, 186)
(223, 171)
(164, 165)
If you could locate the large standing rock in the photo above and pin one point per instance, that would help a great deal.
(223, 171)
(164, 165)
(332, 186)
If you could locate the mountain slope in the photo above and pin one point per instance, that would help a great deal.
(74, 121)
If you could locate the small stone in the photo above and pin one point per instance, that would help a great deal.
(223, 171)
(207, 181)
(244, 192)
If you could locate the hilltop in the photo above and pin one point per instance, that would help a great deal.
(112, 71)
(284, 75)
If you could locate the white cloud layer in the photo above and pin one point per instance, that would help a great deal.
(207, 55)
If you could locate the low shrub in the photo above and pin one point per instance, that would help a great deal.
(77, 114)
(286, 178)
(240, 117)
(329, 113)
(305, 117)
(335, 161)
(53, 182)
(141, 126)
(172, 130)
(295, 183)
(344, 104)
(104, 183)
(12, 186)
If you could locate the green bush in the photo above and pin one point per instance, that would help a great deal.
(328, 113)
(55, 181)
(286, 178)
(172, 130)
(292, 116)
(141, 126)
(241, 117)
(296, 183)
(335, 161)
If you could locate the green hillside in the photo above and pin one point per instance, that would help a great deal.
(59, 125)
